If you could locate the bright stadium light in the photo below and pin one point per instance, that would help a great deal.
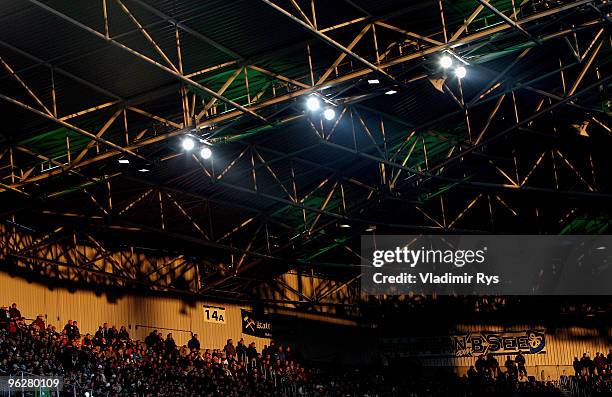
(188, 143)
(390, 92)
(446, 61)
(124, 161)
(206, 153)
(313, 104)
(373, 81)
(329, 114)
(460, 72)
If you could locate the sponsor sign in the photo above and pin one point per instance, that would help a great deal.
(468, 345)
(255, 325)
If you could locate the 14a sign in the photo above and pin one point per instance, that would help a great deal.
(214, 314)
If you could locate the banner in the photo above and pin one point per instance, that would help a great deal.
(214, 314)
(255, 325)
(468, 345)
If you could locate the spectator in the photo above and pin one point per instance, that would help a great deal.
(289, 353)
(112, 333)
(251, 353)
(183, 351)
(105, 331)
(492, 365)
(151, 339)
(264, 351)
(599, 363)
(39, 323)
(4, 317)
(99, 335)
(51, 331)
(194, 343)
(520, 363)
(76, 332)
(273, 351)
(591, 366)
(68, 329)
(577, 367)
(14, 312)
(480, 365)
(229, 348)
(241, 350)
(87, 340)
(586, 364)
(170, 344)
(510, 367)
(281, 353)
(123, 333)
(472, 373)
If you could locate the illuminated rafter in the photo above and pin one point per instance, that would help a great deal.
(469, 156)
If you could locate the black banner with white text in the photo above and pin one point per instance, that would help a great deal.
(256, 325)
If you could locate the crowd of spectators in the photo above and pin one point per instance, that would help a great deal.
(487, 367)
(593, 376)
(587, 367)
(111, 363)
(487, 377)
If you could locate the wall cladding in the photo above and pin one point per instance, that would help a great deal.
(91, 310)
(138, 312)
(562, 345)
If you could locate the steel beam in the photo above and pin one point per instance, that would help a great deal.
(181, 77)
(326, 39)
(509, 21)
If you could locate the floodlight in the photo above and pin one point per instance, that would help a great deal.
(313, 104)
(188, 143)
(446, 61)
(206, 153)
(460, 72)
(329, 114)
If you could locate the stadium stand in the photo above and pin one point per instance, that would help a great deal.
(110, 363)
(306, 198)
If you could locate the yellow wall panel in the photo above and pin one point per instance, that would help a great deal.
(141, 312)
(562, 345)
(138, 312)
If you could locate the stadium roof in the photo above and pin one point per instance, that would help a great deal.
(519, 145)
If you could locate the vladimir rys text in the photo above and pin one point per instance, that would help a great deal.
(431, 278)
